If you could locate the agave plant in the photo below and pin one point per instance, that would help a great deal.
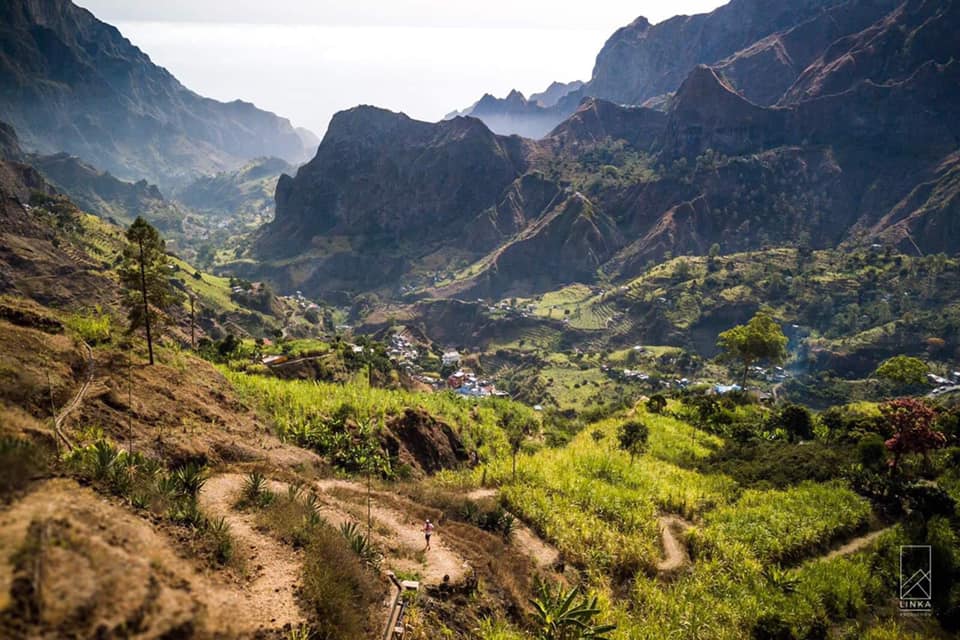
(303, 632)
(360, 544)
(255, 491)
(219, 531)
(189, 479)
(567, 615)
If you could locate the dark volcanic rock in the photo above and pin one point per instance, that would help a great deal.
(864, 146)
(598, 120)
(423, 442)
(641, 60)
(566, 245)
(890, 50)
(708, 114)
(385, 178)
(72, 83)
(9, 143)
(765, 70)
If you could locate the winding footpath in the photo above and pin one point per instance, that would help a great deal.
(76, 399)
(543, 554)
(674, 553)
(399, 534)
(854, 545)
(269, 595)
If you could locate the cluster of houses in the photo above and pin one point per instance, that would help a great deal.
(776, 374)
(944, 385)
(466, 383)
(404, 353)
(301, 302)
(509, 309)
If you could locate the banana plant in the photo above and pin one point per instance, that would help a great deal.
(567, 615)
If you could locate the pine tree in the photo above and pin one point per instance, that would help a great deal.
(145, 276)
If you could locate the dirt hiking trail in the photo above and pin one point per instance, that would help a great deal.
(274, 568)
(543, 554)
(854, 545)
(400, 535)
(674, 553)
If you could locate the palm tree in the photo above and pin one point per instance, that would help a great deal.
(567, 615)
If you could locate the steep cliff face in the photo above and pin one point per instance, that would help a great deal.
(386, 178)
(641, 60)
(866, 148)
(73, 83)
(917, 32)
(9, 143)
(765, 70)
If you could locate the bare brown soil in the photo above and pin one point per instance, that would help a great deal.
(269, 591)
(75, 564)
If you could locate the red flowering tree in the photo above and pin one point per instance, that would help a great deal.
(911, 421)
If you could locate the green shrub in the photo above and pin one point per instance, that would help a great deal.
(340, 592)
(95, 326)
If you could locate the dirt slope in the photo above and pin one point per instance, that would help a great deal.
(399, 534)
(93, 568)
(269, 594)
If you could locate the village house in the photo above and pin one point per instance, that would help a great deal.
(450, 358)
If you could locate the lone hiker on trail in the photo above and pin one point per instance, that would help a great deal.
(427, 532)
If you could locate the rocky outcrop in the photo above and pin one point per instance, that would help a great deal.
(381, 177)
(73, 83)
(597, 120)
(99, 192)
(423, 443)
(708, 114)
(641, 60)
(568, 244)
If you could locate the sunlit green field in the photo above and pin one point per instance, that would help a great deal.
(601, 510)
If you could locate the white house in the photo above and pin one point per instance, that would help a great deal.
(450, 359)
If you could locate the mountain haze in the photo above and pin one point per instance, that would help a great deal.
(862, 148)
(73, 83)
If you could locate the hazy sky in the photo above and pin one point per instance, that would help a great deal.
(305, 59)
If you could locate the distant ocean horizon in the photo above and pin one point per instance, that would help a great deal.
(309, 72)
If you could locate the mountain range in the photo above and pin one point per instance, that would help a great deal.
(71, 83)
(759, 47)
(822, 122)
(860, 147)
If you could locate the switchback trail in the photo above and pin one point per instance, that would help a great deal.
(854, 545)
(674, 553)
(76, 399)
(270, 593)
(542, 553)
(401, 534)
